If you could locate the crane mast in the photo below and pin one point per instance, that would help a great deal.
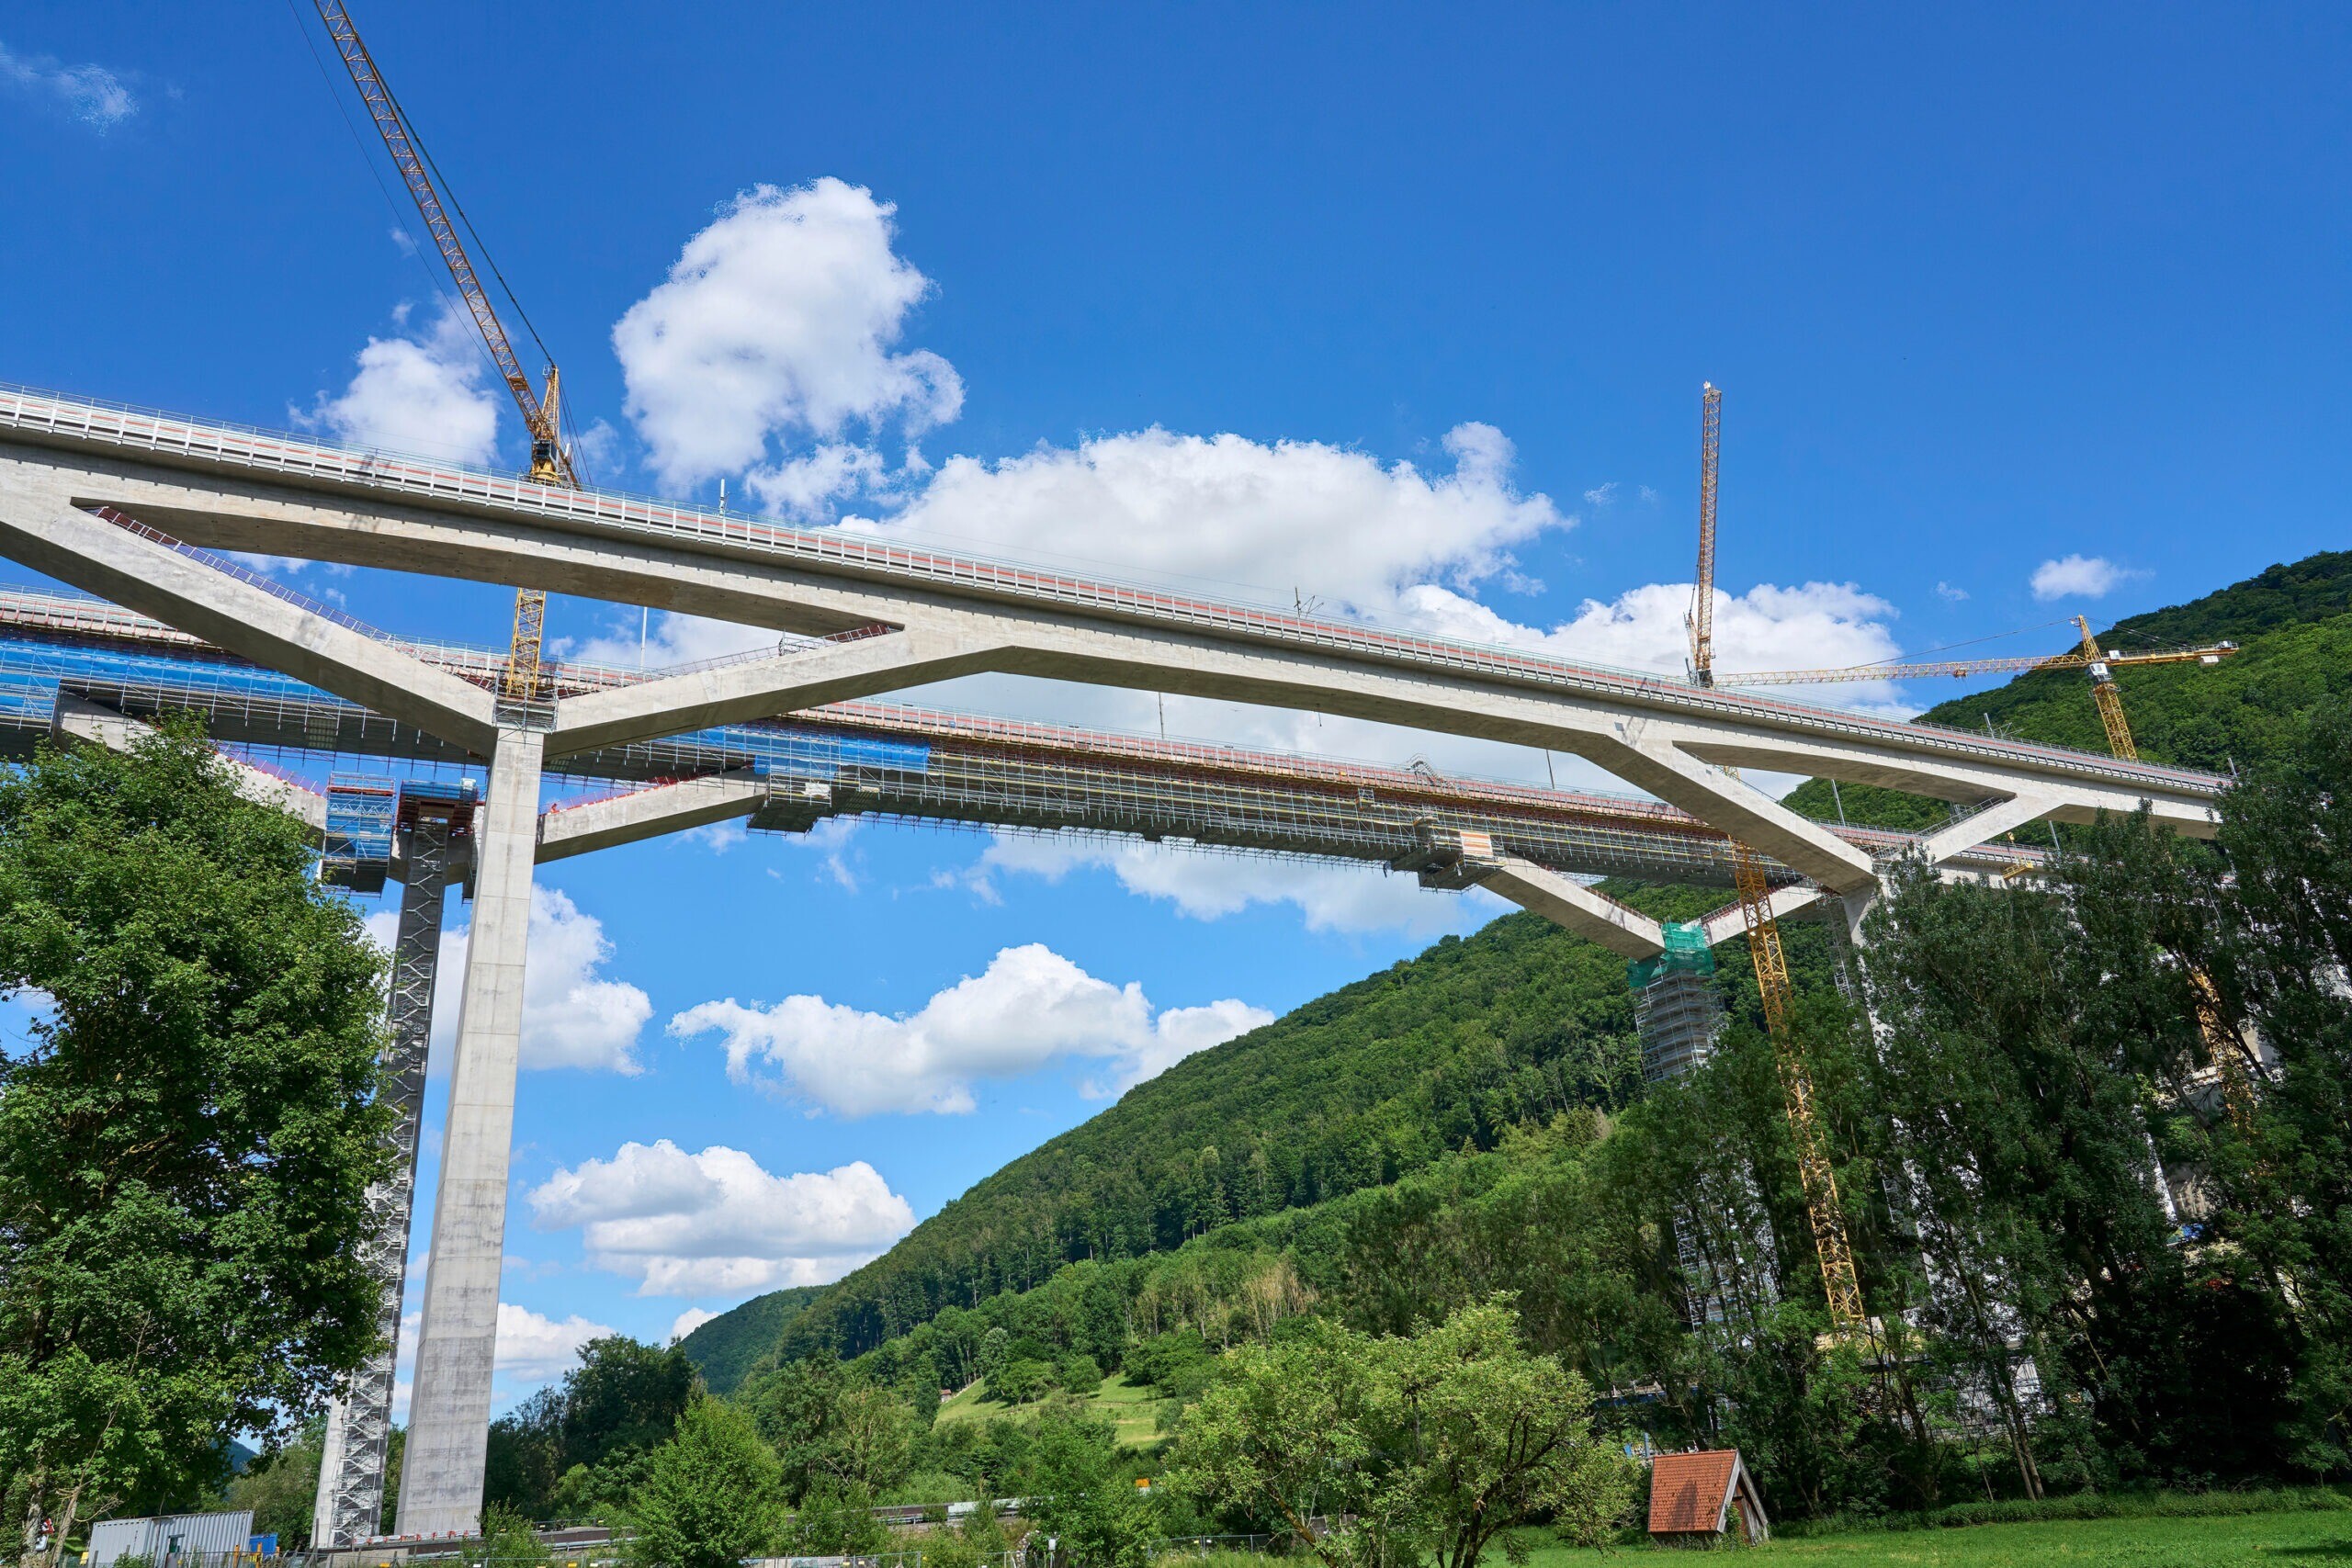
(1702, 618)
(550, 462)
(1842, 1287)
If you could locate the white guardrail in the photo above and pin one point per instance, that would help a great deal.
(92, 422)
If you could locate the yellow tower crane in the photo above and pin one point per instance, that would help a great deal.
(1702, 618)
(551, 461)
(2087, 657)
(1841, 1286)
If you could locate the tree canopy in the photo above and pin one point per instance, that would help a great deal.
(187, 1134)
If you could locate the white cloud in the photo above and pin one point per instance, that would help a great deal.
(1945, 590)
(535, 1349)
(686, 1321)
(1293, 515)
(1206, 885)
(2078, 576)
(667, 639)
(806, 486)
(1176, 1035)
(1603, 495)
(423, 395)
(780, 319)
(683, 1223)
(91, 93)
(1769, 627)
(574, 1016)
(1030, 1007)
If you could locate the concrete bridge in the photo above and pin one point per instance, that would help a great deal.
(121, 503)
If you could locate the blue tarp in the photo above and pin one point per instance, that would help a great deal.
(31, 671)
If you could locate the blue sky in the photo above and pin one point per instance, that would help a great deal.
(1404, 312)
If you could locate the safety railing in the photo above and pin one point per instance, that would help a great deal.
(877, 560)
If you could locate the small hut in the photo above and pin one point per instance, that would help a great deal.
(1700, 1498)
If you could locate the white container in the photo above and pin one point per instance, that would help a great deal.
(169, 1535)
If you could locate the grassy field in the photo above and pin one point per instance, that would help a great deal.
(1132, 1409)
(2236, 1541)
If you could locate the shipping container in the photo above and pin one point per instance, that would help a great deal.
(169, 1535)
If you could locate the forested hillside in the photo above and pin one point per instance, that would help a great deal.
(724, 1348)
(1447, 1052)
(1352, 1091)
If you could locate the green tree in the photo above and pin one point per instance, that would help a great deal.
(714, 1495)
(1475, 1435)
(1280, 1434)
(623, 1395)
(187, 1140)
(281, 1487)
(1078, 1374)
(977, 1539)
(1020, 1378)
(577, 1449)
(1439, 1443)
(830, 1430)
(508, 1541)
(1080, 1495)
(2286, 1170)
(835, 1520)
(874, 1439)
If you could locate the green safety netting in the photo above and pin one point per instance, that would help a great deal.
(1686, 950)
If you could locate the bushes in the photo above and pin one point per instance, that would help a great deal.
(1437, 1445)
(1020, 1379)
(714, 1495)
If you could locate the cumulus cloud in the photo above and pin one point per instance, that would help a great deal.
(781, 320)
(683, 1223)
(1769, 627)
(573, 1015)
(1206, 885)
(1282, 517)
(533, 1349)
(1948, 591)
(421, 393)
(1335, 524)
(686, 1321)
(1030, 1007)
(667, 639)
(91, 93)
(776, 350)
(2078, 576)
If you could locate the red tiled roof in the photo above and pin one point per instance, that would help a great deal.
(1687, 1491)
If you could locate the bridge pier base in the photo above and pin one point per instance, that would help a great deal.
(457, 1345)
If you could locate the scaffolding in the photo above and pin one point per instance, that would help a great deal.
(888, 762)
(433, 821)
(1677, 1009)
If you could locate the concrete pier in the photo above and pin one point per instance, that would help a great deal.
(448, 1429)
